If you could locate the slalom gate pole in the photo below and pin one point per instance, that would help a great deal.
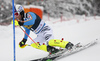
(28, 35)
(14, 31)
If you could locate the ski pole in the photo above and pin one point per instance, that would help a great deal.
(28, 35)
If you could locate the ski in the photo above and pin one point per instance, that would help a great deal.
(75, 50)
(45, 59)
(78, 47)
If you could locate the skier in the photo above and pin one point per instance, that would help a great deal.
(31, 21)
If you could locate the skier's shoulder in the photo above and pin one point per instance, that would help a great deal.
(31, 13)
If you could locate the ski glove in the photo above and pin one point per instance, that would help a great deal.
(22, 43)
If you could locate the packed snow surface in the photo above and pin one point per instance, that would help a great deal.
(84, 32)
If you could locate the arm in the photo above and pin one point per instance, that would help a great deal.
(22, 43)
(28, 32)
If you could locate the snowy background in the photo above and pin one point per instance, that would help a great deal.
(82, 27)
(84, 32)
(66, 8)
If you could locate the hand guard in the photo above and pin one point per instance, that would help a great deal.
(22, 43)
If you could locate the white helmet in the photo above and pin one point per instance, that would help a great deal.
(19, 9)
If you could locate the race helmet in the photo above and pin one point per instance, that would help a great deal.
(18, 9)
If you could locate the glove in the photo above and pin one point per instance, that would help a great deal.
(22, 43)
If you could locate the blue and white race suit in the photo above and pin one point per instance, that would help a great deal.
(39, 27)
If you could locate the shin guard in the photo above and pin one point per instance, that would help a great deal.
(41, 47)
(58, 43)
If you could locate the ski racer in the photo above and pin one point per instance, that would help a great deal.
(32, 22)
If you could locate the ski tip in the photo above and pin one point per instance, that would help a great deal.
(96, 39)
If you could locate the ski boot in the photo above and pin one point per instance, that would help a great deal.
(52, 50)
(69, 46)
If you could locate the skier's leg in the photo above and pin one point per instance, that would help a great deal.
(48, 35)
(44, 36)
(39, 41)
(40, 47)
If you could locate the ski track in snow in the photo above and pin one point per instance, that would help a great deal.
(71, 31)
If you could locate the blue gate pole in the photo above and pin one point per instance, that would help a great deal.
(14, 32)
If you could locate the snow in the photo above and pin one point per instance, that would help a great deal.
(84, 31)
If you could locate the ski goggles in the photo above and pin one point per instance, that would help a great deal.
(16, 13)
